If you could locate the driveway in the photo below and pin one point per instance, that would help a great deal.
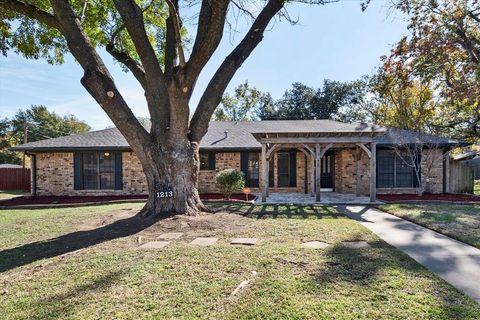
(452, 260)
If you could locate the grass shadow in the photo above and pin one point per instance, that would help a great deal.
(275, 211)
(31, 252)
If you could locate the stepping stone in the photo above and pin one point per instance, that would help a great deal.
(244, 241)
(204, 241)
(315, 245)
(170, 236)
(154, 245)
(356, 244)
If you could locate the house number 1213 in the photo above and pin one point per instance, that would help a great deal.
(165, 194)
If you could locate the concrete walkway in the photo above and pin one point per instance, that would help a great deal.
(455, 262)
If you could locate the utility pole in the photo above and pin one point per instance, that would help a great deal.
(25, 138)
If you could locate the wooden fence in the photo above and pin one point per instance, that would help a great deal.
(15, 179)
(461, 178)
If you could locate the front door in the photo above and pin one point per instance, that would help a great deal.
(327, 165)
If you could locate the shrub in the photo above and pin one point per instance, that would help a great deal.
(230, 181)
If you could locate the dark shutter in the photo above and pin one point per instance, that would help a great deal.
(211, 161)
(118, 171)
(244, 164)
(77, 171)
(293, 168)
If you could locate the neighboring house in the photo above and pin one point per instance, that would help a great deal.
(351, 158)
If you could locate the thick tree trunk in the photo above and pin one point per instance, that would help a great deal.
(171, 170)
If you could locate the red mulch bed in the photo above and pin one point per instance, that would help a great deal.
(445, 197)
(54, 200)
(233, 197)
(66, 200)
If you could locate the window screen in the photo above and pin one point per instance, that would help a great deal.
(393, 172)
(98, 170)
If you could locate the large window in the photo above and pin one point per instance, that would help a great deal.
(253, 169)
(283, 166)
(95, 170)
(393, 172)
(207, 160)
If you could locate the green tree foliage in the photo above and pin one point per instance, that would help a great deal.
(229, 181)
(40, 124)
(342, 101)
(443, 50)
(403, 103)
(240, 105)
(100, 21)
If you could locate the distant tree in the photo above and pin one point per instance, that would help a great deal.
(240, 106)
(404, 103)
(443, 49)
(37, 123)
(342, 101)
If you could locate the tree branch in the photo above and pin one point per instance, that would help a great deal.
(170, 47)
(97, 79)
(30, 11)
(129, 62)
(217, 85)
(176, 28)
(156, 88)
(211, 22)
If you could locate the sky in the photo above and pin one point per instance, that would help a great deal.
(336, 41)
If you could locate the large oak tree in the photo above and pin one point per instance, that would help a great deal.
(147, 38)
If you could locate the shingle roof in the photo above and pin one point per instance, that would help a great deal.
(224, 135)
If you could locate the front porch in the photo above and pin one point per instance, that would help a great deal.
(302, 198)
(323, 169)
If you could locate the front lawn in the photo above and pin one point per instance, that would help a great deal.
(112, 278)
(461, 222)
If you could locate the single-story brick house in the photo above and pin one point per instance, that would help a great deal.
(351, 158)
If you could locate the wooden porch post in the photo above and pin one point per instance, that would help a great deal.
(358, 156)
(264, 172)
(317, 168)
(373, 172)
(312, 179)
(447, 171)
(267, 180)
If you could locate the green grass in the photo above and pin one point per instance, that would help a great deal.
(459, 221)
(11, 194)
(117, 280)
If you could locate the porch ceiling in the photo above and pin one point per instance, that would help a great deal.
(318, 137)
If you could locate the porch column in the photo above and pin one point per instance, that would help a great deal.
(358, 156)
(312, 174)
(267, 165)
(373, 172)
(264, 172)
(317, 169)
(447, 171)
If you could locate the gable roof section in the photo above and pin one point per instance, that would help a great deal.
(232, 135)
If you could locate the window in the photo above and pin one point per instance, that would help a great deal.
(95, 170)
(283, 169)
(207, 160)
(393, 172)
(253, 168)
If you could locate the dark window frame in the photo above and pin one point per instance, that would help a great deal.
(105, 173)
(209, 163)
(392, 172)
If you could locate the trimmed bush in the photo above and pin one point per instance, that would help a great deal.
(229, 181)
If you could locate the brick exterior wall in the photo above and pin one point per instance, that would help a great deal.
(346, 172)
(55, 175)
